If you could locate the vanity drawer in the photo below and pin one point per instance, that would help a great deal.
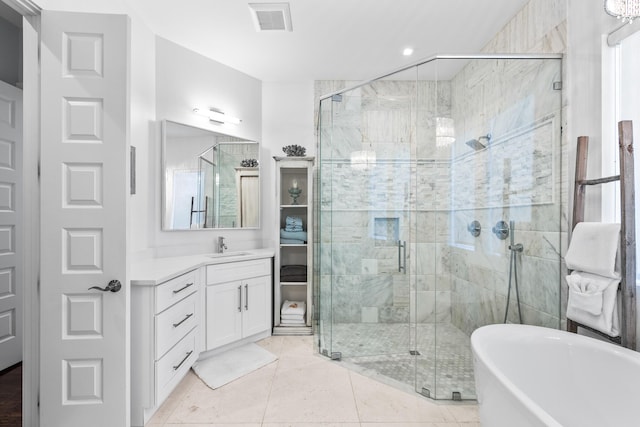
(171, 368)
(228, 272)
(175, 289)
(174, 323)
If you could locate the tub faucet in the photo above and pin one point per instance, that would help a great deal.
(221, 244)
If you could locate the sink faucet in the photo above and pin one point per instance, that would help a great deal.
(221, 244)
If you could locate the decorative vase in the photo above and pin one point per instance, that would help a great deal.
(295, 193)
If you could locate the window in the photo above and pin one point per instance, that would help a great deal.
(626, 57)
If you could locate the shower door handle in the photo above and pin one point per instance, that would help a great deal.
(402, 256)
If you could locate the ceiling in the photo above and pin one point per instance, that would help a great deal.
(331, 39)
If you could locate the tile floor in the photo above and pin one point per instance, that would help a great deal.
(443, 366)
(303, 389)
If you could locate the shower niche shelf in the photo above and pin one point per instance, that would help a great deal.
(293, 260)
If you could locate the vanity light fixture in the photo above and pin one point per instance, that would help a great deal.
(625, 10)
(217, 116)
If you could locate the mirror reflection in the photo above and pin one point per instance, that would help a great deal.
(210, 180)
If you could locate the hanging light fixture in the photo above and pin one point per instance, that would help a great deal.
(445, 131)
(625, 10)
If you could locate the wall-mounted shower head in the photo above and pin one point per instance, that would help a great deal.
(477, 145)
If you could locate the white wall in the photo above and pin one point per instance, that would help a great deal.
(587, 26)
(143, 136)
(184, 80)
(287, 115)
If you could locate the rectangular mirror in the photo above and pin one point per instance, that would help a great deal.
(210, 180)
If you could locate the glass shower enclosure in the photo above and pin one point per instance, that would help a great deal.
(429, 178)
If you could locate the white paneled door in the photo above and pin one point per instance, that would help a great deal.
(10, 225)
(84, 326)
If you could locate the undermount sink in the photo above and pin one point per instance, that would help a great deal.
(228, 254)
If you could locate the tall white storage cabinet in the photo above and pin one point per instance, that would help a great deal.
(293, 260)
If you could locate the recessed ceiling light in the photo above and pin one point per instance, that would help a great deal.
(408, 51)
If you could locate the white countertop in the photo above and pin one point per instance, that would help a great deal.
(154, 271)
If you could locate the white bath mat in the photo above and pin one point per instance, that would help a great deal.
(223, 368)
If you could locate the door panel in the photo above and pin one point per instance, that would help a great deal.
(10, 225)
(224, 314)
(84, 332)
(256, 316)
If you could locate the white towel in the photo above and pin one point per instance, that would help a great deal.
(293, 307)
(586, 291)
(292, 316)
(593, 301)
(292, 322)
(593, 249)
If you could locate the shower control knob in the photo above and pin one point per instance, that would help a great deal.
(474, 228)
(501, 230)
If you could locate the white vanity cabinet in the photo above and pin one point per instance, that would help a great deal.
(165, 340)
(238, 301)
(175, 318)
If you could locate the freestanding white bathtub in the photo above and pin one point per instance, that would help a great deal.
(534, 376)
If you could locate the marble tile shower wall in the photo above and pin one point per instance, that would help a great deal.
(364, 212)
(459, 279)
(519, 177)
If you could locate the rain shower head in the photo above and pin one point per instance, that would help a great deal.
(476, 144)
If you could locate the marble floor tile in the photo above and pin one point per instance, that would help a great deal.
(463, 413)
(423, 424)
(293, 346)
(213, 425)
(311, 390)
(303, 389)
(297, 424)
(241, 401)
(172, 402)
(272, 344)
(378, 402)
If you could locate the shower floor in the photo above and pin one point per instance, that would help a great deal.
(443, 366)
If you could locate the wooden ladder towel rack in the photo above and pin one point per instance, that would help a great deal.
(627, 252)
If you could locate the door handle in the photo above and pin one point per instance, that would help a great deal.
(113, 286)
(402, 247)
(246, 297)
(240, 298)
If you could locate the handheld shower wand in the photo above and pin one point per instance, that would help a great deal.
(514, 248)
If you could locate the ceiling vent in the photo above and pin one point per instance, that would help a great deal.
(271, 16)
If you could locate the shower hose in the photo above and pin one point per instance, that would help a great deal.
(513, 271)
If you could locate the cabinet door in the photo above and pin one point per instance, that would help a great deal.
(224, 314)
(256, 304)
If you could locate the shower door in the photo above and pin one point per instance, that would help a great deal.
(417, 172)
(367, 228)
